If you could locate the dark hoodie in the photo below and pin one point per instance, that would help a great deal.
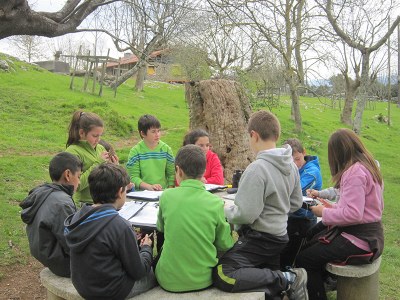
(105, 257)
(44, 212)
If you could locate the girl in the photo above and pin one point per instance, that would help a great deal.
(84, 135)
(354, 231)
(214, 173)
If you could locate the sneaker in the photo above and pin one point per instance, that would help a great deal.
(298, 289)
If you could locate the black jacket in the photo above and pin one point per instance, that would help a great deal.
(105, 257)
(44, 212)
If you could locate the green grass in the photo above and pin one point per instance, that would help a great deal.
(36, 107)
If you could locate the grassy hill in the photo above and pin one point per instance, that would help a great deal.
(36, 107)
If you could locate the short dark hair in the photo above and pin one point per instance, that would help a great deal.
(266, 124)
(146, 122)
(105, 181)
(295, 144)
(192, 136)
(192, 160)
(61, 162)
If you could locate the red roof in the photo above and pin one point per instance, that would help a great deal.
(132, 58)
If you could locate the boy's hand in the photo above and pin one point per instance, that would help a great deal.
(156, 187)
(146, 241)
(312, 193)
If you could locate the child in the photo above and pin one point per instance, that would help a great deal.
(194, 225)
(268, 190)
(84, 135)
(356, 218)
(214, 173)
(151, 162)
(106, 262)
(45, 210)
(301, 220)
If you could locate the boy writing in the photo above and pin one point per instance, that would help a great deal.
(151, 162)
(303, 219)
(46, 208)
(106, 262)
(269, 189)
(194, 225)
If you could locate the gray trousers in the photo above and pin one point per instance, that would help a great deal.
(252, 264)
(143, 285)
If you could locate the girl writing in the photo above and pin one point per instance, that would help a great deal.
(85, 131)
(354, 233)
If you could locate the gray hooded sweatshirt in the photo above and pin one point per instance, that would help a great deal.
(268, 190)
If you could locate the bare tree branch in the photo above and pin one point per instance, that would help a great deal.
(17, 18)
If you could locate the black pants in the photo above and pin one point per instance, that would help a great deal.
(296, 229)
(252, 264)
(315, 257)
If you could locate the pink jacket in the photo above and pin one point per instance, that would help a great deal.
(214, 173)
(361, 199)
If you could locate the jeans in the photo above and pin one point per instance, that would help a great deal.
(143, 285)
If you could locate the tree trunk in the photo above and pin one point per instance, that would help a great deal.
(351, 92)
(294, 94)
(125, 76)
(222, 109)
(362, 100)
(141, 75)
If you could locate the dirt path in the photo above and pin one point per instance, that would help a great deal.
(22, 282)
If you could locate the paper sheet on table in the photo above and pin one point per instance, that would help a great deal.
(213, 187)
(147, 216)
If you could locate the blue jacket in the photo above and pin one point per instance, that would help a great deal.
(310, 174)
(310, 178)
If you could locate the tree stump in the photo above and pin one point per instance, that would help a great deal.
(223, 110)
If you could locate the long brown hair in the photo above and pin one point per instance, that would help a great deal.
(344, 149)
(82, 120)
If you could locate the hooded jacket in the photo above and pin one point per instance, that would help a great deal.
(310, 174)
(268, 190)
(44, 212)
(105, 257)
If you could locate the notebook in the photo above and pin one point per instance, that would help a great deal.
(213, 187)
(147, 216)
(131, 208)
(145, 195)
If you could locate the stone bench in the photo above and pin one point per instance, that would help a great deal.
(59, 288)
(357, 282)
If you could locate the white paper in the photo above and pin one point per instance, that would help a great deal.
(147, 216)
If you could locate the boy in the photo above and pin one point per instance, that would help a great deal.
(303, 219)
(268, 190)
(151, 162)
(45, 210)
(106, 262)
(309, 169)
(194, 225)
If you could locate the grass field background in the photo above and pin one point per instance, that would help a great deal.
(36, 107)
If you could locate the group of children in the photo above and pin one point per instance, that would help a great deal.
(102, 254)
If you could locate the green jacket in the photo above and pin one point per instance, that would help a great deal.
(195, 228)
(90, 158)
(151, 166)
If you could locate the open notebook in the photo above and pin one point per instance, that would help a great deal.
(147, 216)
(131, 209)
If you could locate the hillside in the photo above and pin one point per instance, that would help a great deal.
(36, 107)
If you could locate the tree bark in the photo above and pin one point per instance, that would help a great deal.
(351, 93)
(222, 109)
(362, 99)
(140, 77)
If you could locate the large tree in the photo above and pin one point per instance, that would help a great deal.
(17, 17)
(362, 25)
